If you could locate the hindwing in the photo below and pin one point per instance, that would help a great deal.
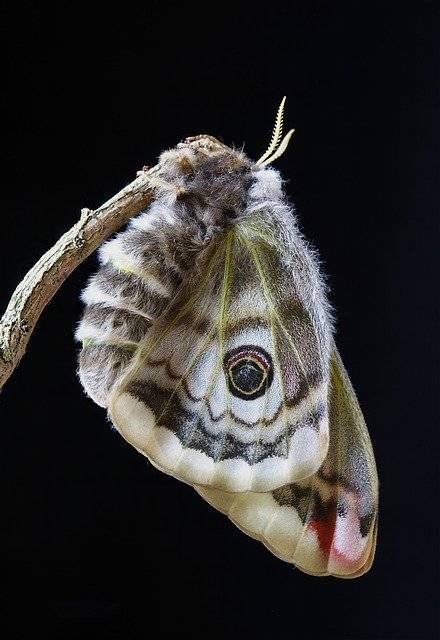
(325, 524)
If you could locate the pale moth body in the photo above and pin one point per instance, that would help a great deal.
(208, 338)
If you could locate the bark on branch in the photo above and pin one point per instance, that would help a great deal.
(45, 278)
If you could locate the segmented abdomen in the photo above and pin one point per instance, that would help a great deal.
(140, 272)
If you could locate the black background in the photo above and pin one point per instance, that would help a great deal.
(94, 541)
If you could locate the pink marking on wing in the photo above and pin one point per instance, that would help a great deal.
(348, 544)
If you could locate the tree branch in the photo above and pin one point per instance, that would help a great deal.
(45, 278)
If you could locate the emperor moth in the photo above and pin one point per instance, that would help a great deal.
(208, 337)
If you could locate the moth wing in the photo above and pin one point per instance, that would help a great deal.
(325, 524)
(229, 387)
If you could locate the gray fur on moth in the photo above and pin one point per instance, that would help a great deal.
(205, 188)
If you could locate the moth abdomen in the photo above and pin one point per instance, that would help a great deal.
(129, 291)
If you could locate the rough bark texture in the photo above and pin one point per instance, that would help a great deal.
(44, 279)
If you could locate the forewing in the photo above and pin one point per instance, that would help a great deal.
(229, 387)
(325, 524)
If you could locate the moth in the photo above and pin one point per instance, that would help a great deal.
(208, 338)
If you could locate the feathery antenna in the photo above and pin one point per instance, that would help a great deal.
(276, 148)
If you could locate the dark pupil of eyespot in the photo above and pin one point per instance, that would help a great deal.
(247, 375)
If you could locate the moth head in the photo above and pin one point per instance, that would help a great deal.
(215, 184)
(208, 180)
